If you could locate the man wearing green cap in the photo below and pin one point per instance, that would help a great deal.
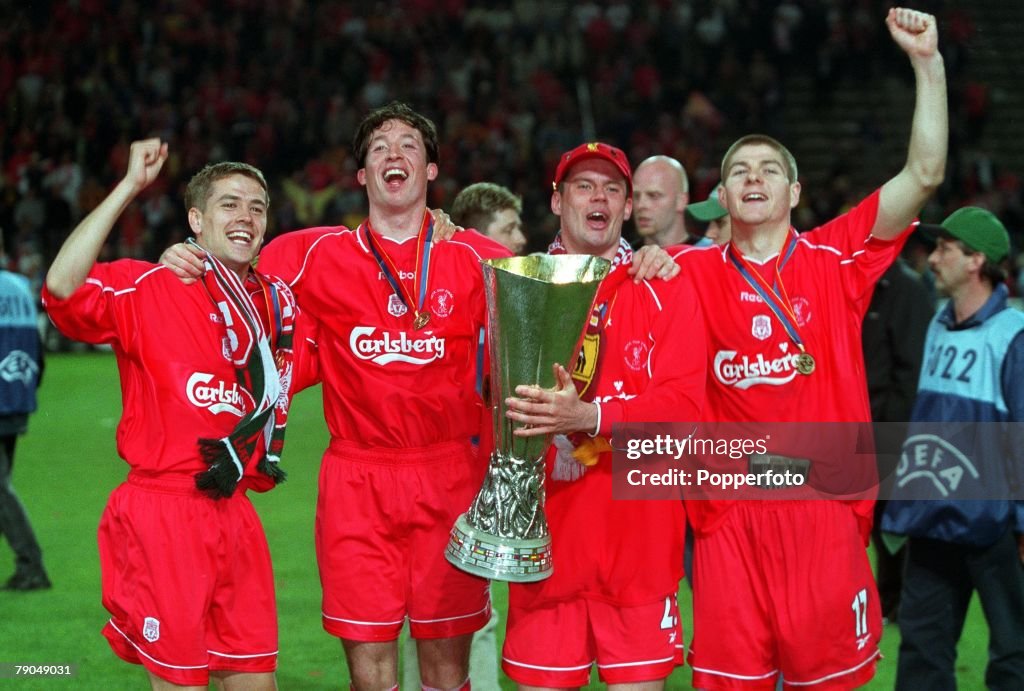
(956, 495)
(712, 212)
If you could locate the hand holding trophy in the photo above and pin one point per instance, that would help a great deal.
(537, 309)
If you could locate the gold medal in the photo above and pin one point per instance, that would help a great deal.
(804, 363)
(777, 300)
(403, 298)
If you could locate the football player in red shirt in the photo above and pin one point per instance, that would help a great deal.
(611, 598)
(186, 568)
(784, 586)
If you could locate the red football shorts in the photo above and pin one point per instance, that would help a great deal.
(187, 581)
(383, 517)
(556, 645)
(784, 587)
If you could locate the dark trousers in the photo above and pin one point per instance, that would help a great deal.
(937, 586)
(14, 523)
(888, 568)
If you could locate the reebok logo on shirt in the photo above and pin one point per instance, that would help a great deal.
(388, 347)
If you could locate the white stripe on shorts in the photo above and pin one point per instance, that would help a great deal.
(827, 677)
(141, 652)
(240, 657)
(547, 669)
(362, 623)
(461, 616)
(637, 664)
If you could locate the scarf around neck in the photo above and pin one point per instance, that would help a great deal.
(263, 366)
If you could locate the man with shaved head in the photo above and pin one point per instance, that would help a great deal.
(661, 192)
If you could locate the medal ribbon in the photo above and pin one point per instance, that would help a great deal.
(422, 266)
(775, 296)
(272, 305)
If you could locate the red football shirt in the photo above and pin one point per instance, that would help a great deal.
(649, 369)
(751, 360)
(387, 384)
(177, 381)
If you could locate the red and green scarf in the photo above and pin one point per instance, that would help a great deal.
(263, 366)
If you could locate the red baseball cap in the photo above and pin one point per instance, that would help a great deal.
(594, 150)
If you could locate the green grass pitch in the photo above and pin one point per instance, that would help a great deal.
(67, 465)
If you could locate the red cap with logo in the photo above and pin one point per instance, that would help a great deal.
(594, 150)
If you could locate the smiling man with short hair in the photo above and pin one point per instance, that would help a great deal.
(204, 372)
(784, 346)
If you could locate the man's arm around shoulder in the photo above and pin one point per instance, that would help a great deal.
(483, 246)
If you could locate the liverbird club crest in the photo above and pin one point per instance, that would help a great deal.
(761, 328)
(151, 629)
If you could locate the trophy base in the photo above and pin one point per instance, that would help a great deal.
(498, 558)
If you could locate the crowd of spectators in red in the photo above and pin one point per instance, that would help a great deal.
(510, 84)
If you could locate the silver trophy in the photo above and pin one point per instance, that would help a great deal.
(537, 309)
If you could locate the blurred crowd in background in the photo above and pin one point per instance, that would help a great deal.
(510, 84)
